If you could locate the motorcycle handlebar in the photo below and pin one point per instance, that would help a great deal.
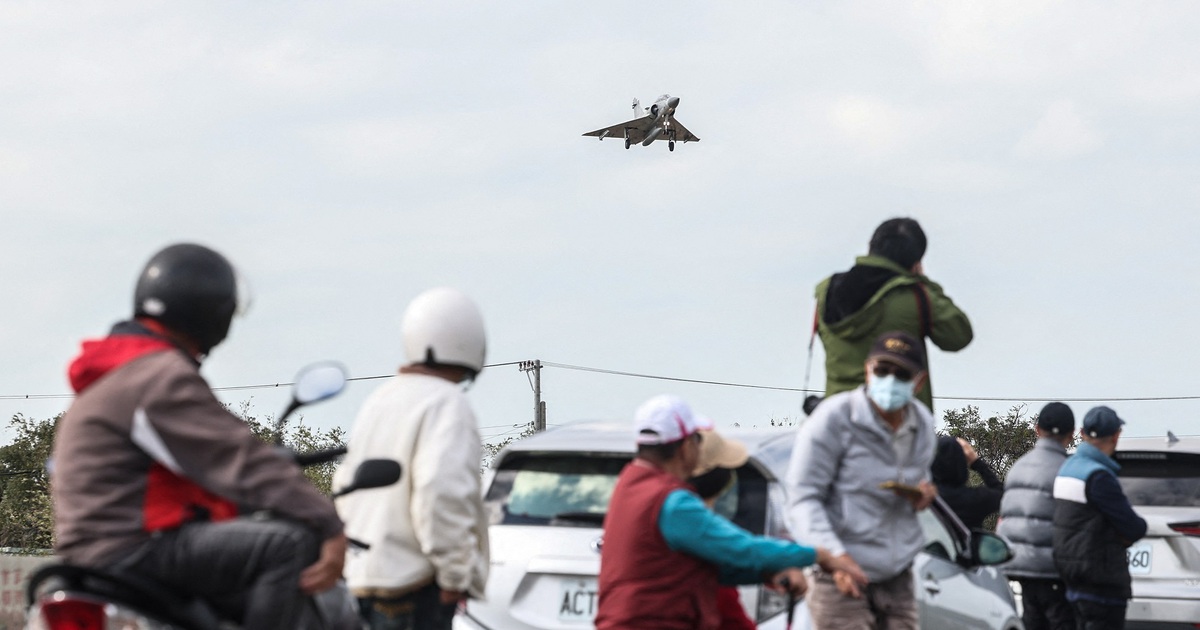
(319, 457)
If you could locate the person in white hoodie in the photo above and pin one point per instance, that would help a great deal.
(427, 534)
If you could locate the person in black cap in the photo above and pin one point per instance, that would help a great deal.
(859, 474)
(1027, 521)
(1093, 526)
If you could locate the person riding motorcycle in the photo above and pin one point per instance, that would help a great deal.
(151, 472)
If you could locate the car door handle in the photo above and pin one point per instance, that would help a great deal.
(932, 586)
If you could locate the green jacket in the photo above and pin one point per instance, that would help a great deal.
(874, 297)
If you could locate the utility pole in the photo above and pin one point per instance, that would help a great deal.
(539, 406)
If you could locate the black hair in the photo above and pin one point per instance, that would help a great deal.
(711, 483)
(659, 453)
(900, 240)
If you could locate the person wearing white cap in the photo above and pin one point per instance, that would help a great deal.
(664, 552)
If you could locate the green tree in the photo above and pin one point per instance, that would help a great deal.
(492, 449)
(1000, 440)
(300, 438)
(26, 517)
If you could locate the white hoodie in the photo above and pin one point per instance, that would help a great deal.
(431, 525)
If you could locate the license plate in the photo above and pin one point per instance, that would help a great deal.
(579, 600)
(1140, 557)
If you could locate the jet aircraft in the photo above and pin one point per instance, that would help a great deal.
(656, 122)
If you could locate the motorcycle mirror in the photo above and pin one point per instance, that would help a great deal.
(319, 381)
(372, 473)
(314, 383)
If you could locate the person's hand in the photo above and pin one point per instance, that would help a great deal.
(928, 494)
(450, 597)
(325, 572)
(844, 564)
(790, 580)
(846, 585)
(969, 452)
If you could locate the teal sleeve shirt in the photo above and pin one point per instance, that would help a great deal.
(690, 527)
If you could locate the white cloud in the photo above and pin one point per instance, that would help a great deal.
(1062, 132)
(871, 126)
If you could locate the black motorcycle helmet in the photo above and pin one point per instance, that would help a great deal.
(192, 290)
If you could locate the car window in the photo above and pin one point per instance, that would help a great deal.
(938, 540)
(1152, 478)
(573, 490)
(553, 489)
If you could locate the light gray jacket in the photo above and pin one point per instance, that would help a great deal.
(843, 453)
(1027, 510)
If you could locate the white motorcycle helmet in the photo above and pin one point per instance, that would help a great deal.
(444, 327)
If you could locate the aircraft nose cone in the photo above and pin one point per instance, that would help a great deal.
(673, 102)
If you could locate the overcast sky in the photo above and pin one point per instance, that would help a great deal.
(347, 156)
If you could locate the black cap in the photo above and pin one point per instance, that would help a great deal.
(1056, 419)
(1101, 422)
(899, 348)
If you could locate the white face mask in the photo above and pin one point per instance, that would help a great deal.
(889, 392)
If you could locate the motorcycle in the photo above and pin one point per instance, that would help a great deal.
(68, 597)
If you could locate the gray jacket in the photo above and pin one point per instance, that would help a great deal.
(843, 453)
(1027, 510)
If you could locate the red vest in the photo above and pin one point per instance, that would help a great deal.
(643, 583)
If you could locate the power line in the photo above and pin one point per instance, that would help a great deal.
(677, 379)
(815, 391)
(582, 368)
(230, 388)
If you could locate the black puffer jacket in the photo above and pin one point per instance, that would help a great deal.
(950, 474)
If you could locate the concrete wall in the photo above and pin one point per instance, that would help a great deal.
(14, 575)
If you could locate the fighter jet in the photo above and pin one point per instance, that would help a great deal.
(656, 122)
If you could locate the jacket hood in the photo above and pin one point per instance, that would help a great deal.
(844, 298)
(949, 463)
(127, 341)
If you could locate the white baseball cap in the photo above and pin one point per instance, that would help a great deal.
(663, 419)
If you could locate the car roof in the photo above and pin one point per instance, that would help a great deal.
(616, 437)
(1185, 444)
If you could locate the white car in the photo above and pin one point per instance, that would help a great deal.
(1161, 478)
(548, 495)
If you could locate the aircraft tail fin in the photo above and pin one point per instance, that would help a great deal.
(636, 106)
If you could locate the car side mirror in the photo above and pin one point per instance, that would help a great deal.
(987, 549)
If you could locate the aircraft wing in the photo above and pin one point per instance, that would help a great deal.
(637, 129)
(681, 133)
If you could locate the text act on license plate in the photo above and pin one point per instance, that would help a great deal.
(579, 599)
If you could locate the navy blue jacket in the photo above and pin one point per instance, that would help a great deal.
(1093, 525)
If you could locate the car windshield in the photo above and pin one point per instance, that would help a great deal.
(573, 490)
(1154, 478)
(554, 489)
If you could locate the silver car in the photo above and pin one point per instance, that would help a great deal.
(548, 495)
(1161, 477)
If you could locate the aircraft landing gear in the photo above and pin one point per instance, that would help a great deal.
(671, 145)
(627, 143)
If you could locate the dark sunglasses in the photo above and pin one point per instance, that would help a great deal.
(887, 369)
